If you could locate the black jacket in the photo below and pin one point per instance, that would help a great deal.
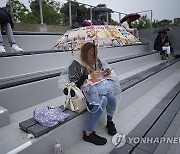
(158, 44)
(78, 73)
(5, 17)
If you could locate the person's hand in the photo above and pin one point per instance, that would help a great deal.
(167, 44)
(95, 76)
(106, 72)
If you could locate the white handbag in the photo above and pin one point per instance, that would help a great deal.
(75, 100)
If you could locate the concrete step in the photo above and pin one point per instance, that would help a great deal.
(40, 90)
(131, 116)
(28, 40)
(4, 117)
(174, 148)
(27, 64)
(15, 137)
(70, 133)
(136, 63)
(173, 131)
(23, 96)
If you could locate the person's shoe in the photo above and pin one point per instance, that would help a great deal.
(163, 56)
(2, 49)
(172, 54)
(15, 48)
(111, 128)
(94, 138)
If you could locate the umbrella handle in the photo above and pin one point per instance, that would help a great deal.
(94, 47)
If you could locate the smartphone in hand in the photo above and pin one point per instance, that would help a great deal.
(107, 71)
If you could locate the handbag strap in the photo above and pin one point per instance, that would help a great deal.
(68, 98)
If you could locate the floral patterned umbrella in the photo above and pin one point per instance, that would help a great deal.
(103, 35)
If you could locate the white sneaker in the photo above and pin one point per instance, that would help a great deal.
(2, 49)
(15, 48)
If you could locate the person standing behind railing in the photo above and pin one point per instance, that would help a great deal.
(6, 24)
(96, 20)
(103, 21)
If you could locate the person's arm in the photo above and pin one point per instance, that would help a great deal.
(166, 41)
(76, 75)
(126, 26)
(83, 77)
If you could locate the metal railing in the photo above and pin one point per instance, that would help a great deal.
(150, 13)
(91, 12)
(91, 6)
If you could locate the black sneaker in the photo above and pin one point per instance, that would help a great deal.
(94, 138)
(111, 128)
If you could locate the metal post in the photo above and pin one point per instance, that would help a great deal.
(41, 13)
(107, 17)
(70, 17)
(91, 14)
(11, 9)
(151, 18)
(119, 19)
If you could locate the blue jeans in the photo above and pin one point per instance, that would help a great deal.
(110, 103)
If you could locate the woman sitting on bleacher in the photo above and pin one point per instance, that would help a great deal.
(98, 86)
(163, 45)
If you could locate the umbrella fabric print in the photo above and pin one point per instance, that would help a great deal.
(103, 35)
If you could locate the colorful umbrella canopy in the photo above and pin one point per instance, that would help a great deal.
(132, 17)
(162, 30)
(103, 36)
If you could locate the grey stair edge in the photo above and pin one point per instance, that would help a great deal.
(170, 97)
(163, 123)
(4, 117)
(34, 33)
(174, 107)
(139, 77)
(140, 151)
(24, 125)
(51, 51)
(28, 78)
(32, 77)
(115, 60)
(137, 44)
(173, 131)
(145, 125)
(37, 130)
(25, 53)
(125, 150)
(141, 128)
(33, 127)
(161, 112)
